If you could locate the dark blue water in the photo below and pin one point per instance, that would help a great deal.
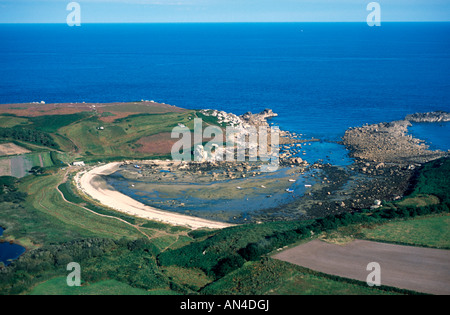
(9, 252)
(320, 77)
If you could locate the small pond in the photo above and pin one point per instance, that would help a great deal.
(9, 252)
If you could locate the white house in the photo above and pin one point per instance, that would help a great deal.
(80, 163)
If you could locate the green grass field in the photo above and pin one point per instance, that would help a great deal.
(430, 231)
(419, 200)
(46, 123)
(8, 121)
(58, 286)
(47, 200)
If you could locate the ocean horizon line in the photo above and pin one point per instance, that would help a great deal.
(225, 22)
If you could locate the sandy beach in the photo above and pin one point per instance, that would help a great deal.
(90, 183)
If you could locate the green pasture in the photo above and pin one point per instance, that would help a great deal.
(429, 231)
(58, 286)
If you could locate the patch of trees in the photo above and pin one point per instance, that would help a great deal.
(37, 170)
(9, 191)
(22, 273)
(131, 262)
(227, 265)
(29, 135)
(433, 179)
(55, 159)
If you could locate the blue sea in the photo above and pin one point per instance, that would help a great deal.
(321, 78)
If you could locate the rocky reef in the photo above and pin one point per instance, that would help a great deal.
(391, 143)
(432, 117)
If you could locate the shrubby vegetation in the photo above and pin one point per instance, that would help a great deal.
(51, 123)
(219, 251)
(9, 191)
(434, 179)
(29, 135)
(131, 262)
(55, 159)
(271, 276)
(196, 234)
(48, 260)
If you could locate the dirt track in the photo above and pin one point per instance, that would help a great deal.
(419, 269)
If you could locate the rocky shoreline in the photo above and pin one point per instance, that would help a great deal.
(344, 189)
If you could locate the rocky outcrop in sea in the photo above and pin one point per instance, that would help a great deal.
(259, 119)
(242, 125)
(432, 117)
(391, 143)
